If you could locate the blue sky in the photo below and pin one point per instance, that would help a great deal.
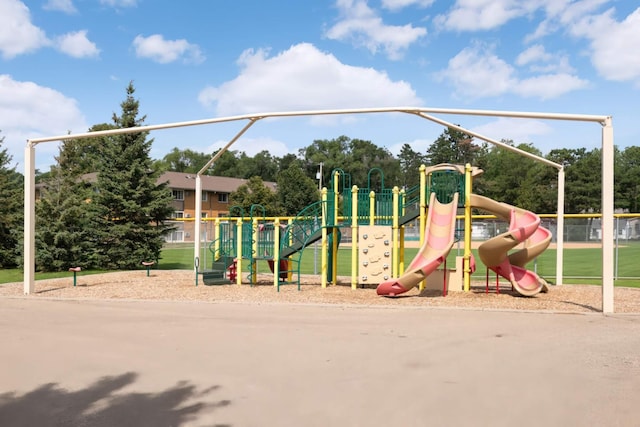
(65, 64)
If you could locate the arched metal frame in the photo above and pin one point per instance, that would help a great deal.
(425, 113)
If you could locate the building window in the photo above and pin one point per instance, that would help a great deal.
(174, 236)
(203, 215)
(205, 196)
(223, 197)
(177, 214)
(178, 194)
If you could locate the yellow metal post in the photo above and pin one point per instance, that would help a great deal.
(334, 229)
(289, 243)
(372, 208)
(254, 250)
(394, 234)
(239, 251)
(401, 237)
(276, 252)
(423, 210)
(324, 246)
(354, 237)
(217, 239)
(467, 228)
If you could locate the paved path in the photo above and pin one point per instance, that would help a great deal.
(108, 363)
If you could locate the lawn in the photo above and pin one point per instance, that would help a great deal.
(581, 265)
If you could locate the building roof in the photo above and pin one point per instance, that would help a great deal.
(219, 184)
(187, 181)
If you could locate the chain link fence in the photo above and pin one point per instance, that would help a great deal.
(582, 240)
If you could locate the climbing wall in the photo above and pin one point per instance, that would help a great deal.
(374, 254)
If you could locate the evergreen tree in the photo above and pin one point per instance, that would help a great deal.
(453, 146)
(130, 208)
(410, 162)
(11, 214)
(63, 232)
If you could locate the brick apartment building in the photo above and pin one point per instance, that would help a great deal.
(215, 201)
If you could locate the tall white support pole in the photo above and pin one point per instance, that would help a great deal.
(29, 218)
(607, 216)
(197, 219)
(560, 229)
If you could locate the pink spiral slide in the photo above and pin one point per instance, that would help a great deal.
(524, 227)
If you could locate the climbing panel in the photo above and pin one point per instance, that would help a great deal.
(374, 254)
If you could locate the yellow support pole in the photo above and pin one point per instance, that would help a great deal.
(467, 228)
(394, 238)
(423, 210)
(401, 238)
(254, 250)
(354, 237)
(217, 238)
(239, 251)
(372, 208)
(334, 230)
(290, 242)
(324, 248)
(276, 252)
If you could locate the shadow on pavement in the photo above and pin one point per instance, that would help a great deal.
(103, 403)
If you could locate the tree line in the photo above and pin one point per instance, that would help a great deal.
(117, 215)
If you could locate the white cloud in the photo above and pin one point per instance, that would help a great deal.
(119, 3)
(517, 130)
(364, 28)
(77, 44)
(477, 72)
(533, 54)
(420, 145)
(541, 61)
(17, 34)
(549, 86)
(475, 15)
(400, 4)
(614, 44)
(65, 6)
(304, 78)
(28, 110)
(156, 48)
(252, 146)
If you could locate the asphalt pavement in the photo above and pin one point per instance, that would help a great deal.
(141, 363)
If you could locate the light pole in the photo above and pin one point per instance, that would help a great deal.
(319, 177)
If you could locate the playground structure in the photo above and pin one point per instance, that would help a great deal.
(605, 123)
(377, 221)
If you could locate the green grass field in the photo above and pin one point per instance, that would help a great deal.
(581, 266)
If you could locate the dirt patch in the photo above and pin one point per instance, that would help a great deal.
(179, 285)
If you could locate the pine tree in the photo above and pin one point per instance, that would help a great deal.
(63, 220)
(11, 215)
(130, 208)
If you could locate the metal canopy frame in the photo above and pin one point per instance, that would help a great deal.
(424, 113)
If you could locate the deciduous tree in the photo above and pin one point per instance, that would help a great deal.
(295, 190)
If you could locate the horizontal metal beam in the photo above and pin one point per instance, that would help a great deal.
(409, 110)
